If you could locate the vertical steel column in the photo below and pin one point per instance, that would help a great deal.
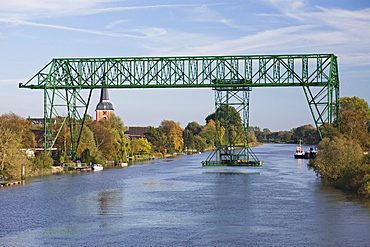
(232, 147)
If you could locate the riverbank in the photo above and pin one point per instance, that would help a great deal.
(9, 183)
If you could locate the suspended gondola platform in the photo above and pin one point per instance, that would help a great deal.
(239, 155)
(236, 163)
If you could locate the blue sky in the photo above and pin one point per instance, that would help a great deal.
(32, 32)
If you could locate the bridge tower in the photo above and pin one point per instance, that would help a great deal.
(232, 147)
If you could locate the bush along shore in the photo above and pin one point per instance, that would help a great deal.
(343, 159)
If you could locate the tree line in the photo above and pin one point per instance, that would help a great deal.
(105, 140)
(305, 133)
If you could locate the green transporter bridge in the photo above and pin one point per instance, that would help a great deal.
(68, 84)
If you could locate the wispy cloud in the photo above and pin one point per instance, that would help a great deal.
(312, 30)
(14, 13)
(105, 33)
(204, 14)
(25, 10)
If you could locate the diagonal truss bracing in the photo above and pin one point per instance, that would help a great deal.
(65, 79)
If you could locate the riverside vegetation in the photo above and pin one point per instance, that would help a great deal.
(342, 158)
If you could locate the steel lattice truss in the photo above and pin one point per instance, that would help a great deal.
(65, 79)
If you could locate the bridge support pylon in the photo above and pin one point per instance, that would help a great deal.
(232, 127)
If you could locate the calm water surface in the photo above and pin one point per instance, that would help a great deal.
(176, 202)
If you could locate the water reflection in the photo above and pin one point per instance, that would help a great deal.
(110, 203)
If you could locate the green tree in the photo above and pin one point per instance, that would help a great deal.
(157, 139)
(140, 146)
(341, 158)
(121, 142)
(188, 137)
(85, 157)
(335, 156)
(354, 126)
(87, 142)
(63, 157)
(104, 138)
(194, 127)
(307, 133)
(357, 105)
(251, 137)
(230, 123)
(209, 133)
(43, 162)
(199, 143)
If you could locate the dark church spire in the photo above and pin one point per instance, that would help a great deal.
(104, 108)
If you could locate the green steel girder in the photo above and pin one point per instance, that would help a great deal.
(167, 72)
(64, 80)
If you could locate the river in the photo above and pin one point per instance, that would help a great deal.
(177, 202)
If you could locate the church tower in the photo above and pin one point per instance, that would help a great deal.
(104, 109)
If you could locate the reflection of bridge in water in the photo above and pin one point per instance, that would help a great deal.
(64, 82)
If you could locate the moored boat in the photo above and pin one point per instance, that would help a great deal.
(299, 152)
(122, 164)
(97, 167)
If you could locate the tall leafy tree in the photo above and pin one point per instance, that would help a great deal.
(188, 137)
(194, 127)
(87, 142)
(357, 105)
(307, 133)
(228, 118)
(199, 143)
(140, 146)
(173, 132)
(15, 135)
(104, 138)
(21, 126)
(355, 120)
(121, 142)
(209, 133)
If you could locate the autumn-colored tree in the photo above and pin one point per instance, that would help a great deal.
(173, 132)
(334, 155)
(15, 135)
(357, 105)
(21, 126)
(353, 125)
(355, 120)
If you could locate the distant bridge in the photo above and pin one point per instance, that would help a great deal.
(232, 78)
